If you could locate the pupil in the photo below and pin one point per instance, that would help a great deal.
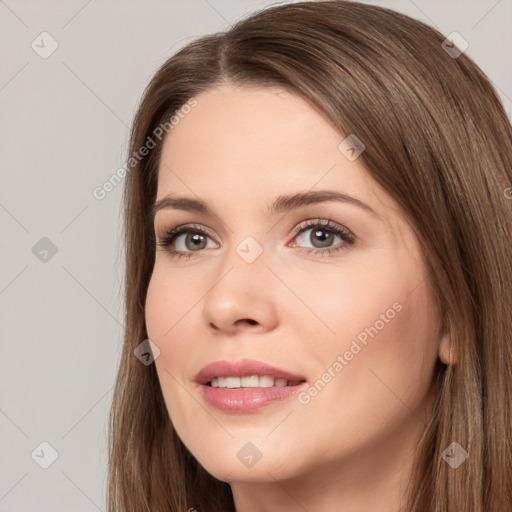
(323, 236)
(197, 240)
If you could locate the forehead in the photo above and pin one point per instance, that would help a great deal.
(249, 121)
(249, 135)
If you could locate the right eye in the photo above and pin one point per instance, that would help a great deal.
(185, 240)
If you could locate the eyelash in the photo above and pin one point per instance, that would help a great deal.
(326, 225)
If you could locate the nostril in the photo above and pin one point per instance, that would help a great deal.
(247, 320)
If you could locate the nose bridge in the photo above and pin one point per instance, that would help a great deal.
(244, 268)
(242, 289)
(250, 250)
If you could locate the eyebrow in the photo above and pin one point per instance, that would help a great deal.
(283, 203)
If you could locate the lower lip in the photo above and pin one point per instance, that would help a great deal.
(240, 400)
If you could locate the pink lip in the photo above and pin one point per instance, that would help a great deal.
(245, 399)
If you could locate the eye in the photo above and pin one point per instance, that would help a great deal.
(322, 236)
(186, 240)
(325, 236)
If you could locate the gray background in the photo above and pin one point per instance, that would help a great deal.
(64, 131)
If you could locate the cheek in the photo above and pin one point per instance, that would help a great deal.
(167, 310)
(345, 299)
(388, 352)
(169, 299)
(166, 315)
(379, 319)
(153, 309)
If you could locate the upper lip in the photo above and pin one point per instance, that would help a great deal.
(243, 368)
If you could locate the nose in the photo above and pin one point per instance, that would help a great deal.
(242, 298)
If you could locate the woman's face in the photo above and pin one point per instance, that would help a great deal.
(294, 258)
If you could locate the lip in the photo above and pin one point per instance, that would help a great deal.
(243, 400)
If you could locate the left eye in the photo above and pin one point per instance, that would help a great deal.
(318, 237)
(322, 236)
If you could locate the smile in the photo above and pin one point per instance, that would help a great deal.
(246, 385)
(252, 381)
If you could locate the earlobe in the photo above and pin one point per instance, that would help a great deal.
(446, 350)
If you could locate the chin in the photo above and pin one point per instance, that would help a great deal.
(245, 464)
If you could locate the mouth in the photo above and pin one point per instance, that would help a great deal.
(252, 381)
(246, 385)
(246, 373)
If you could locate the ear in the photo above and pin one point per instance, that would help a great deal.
(446, 352)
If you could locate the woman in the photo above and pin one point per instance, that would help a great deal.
(318, 282)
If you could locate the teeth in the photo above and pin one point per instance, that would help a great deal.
(266, 381)
(232, 382)
(252, 381)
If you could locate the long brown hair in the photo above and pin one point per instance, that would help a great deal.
(439, 142)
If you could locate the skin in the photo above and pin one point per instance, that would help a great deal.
(350, 448)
